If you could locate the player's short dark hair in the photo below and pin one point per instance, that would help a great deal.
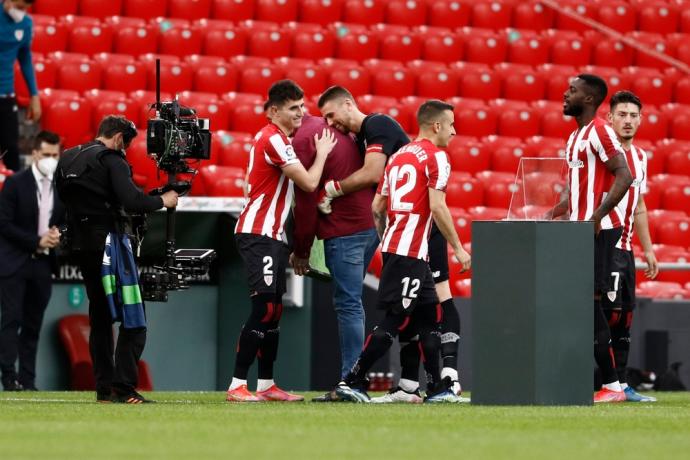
(623, 97)
(597, 87)
(113, 124)
(334, 92)
(282, 91)
(48, 137)
(431, 110)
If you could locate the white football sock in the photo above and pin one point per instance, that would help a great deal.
(449, 372)
(236, 383)
(264, 384)
(408, 385)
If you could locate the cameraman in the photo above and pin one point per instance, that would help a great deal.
(95, 182)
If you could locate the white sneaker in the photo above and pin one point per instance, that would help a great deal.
(398, 395)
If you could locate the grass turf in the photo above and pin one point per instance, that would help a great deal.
(70, 425)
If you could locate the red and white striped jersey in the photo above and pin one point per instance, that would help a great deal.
(410, 172)
(270, 192)
(637, 162)
(587, 151)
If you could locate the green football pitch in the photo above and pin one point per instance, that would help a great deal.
(61, 425)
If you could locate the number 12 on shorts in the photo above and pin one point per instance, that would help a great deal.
(409, 290)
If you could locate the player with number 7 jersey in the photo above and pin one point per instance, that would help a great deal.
(410, 194)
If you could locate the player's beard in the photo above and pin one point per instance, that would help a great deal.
(573, 110)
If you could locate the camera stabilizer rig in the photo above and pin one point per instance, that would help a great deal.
(173, 138)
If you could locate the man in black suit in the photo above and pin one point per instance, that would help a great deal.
(30, 213)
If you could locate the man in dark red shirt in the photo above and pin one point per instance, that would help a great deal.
(348, 233)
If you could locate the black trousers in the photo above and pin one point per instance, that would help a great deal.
(115, 369)
(24, 297)
(9, 132)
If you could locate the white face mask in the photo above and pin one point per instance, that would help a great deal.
(16, 14)
(47, 166)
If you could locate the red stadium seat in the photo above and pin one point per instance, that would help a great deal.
(676, 198)
(217, 112)
(507, 158)
(682, 91)
(464, 193)
(55, 7)
(288, 63)
(492, 15)
(528, 49)
(109, 58)
(618, 15)
(258, 79)
(518, 123)
(564, 22)
(49, 38)
(403, 47)
(489, 177)
(499, 195)
(481, 84)
(555, 124)
(117, 22)
(661, 290)
(486, 213)
(532, 15)
(235, 148)
(406, 12)
(612, 53)
(470, 121)
(367, 12)
(655, 42)
(180, 41)
(678, 162)
(393, 82)
(223, 180)
(215, 78)
(125, 77)
(195, 9)
(654, 124)
(79, 76)
(71, 118)
(615, 78)
(675, 232)
(680, 126)
(136, 40)
(312, 80)
(652, 90)
(557, 79)
(233, 10)
(356, 80)
(276, 10)
(248, 118)
(322, 12)
(659, 216)
(442, 48)
(101, 109)
(46, 75)
(313, 45)
(94, 96)
(451, 14)
(224, 43)
(175, 78)
(270, 44)
(659, 17)
(90, 39)
(570, 51)
(524, 86)
(146, 9)
(468, 156)
(100, 8)
(486, 49)
(462, 288)
(357, 45)
(545, 147)
(438, 84)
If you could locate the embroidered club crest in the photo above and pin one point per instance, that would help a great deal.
(268, 279)
(406, 303)
(19, 34)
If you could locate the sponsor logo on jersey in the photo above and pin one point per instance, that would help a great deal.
(436, 274)
(575, 164)
(637, 183)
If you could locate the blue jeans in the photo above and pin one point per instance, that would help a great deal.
(347, 258)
